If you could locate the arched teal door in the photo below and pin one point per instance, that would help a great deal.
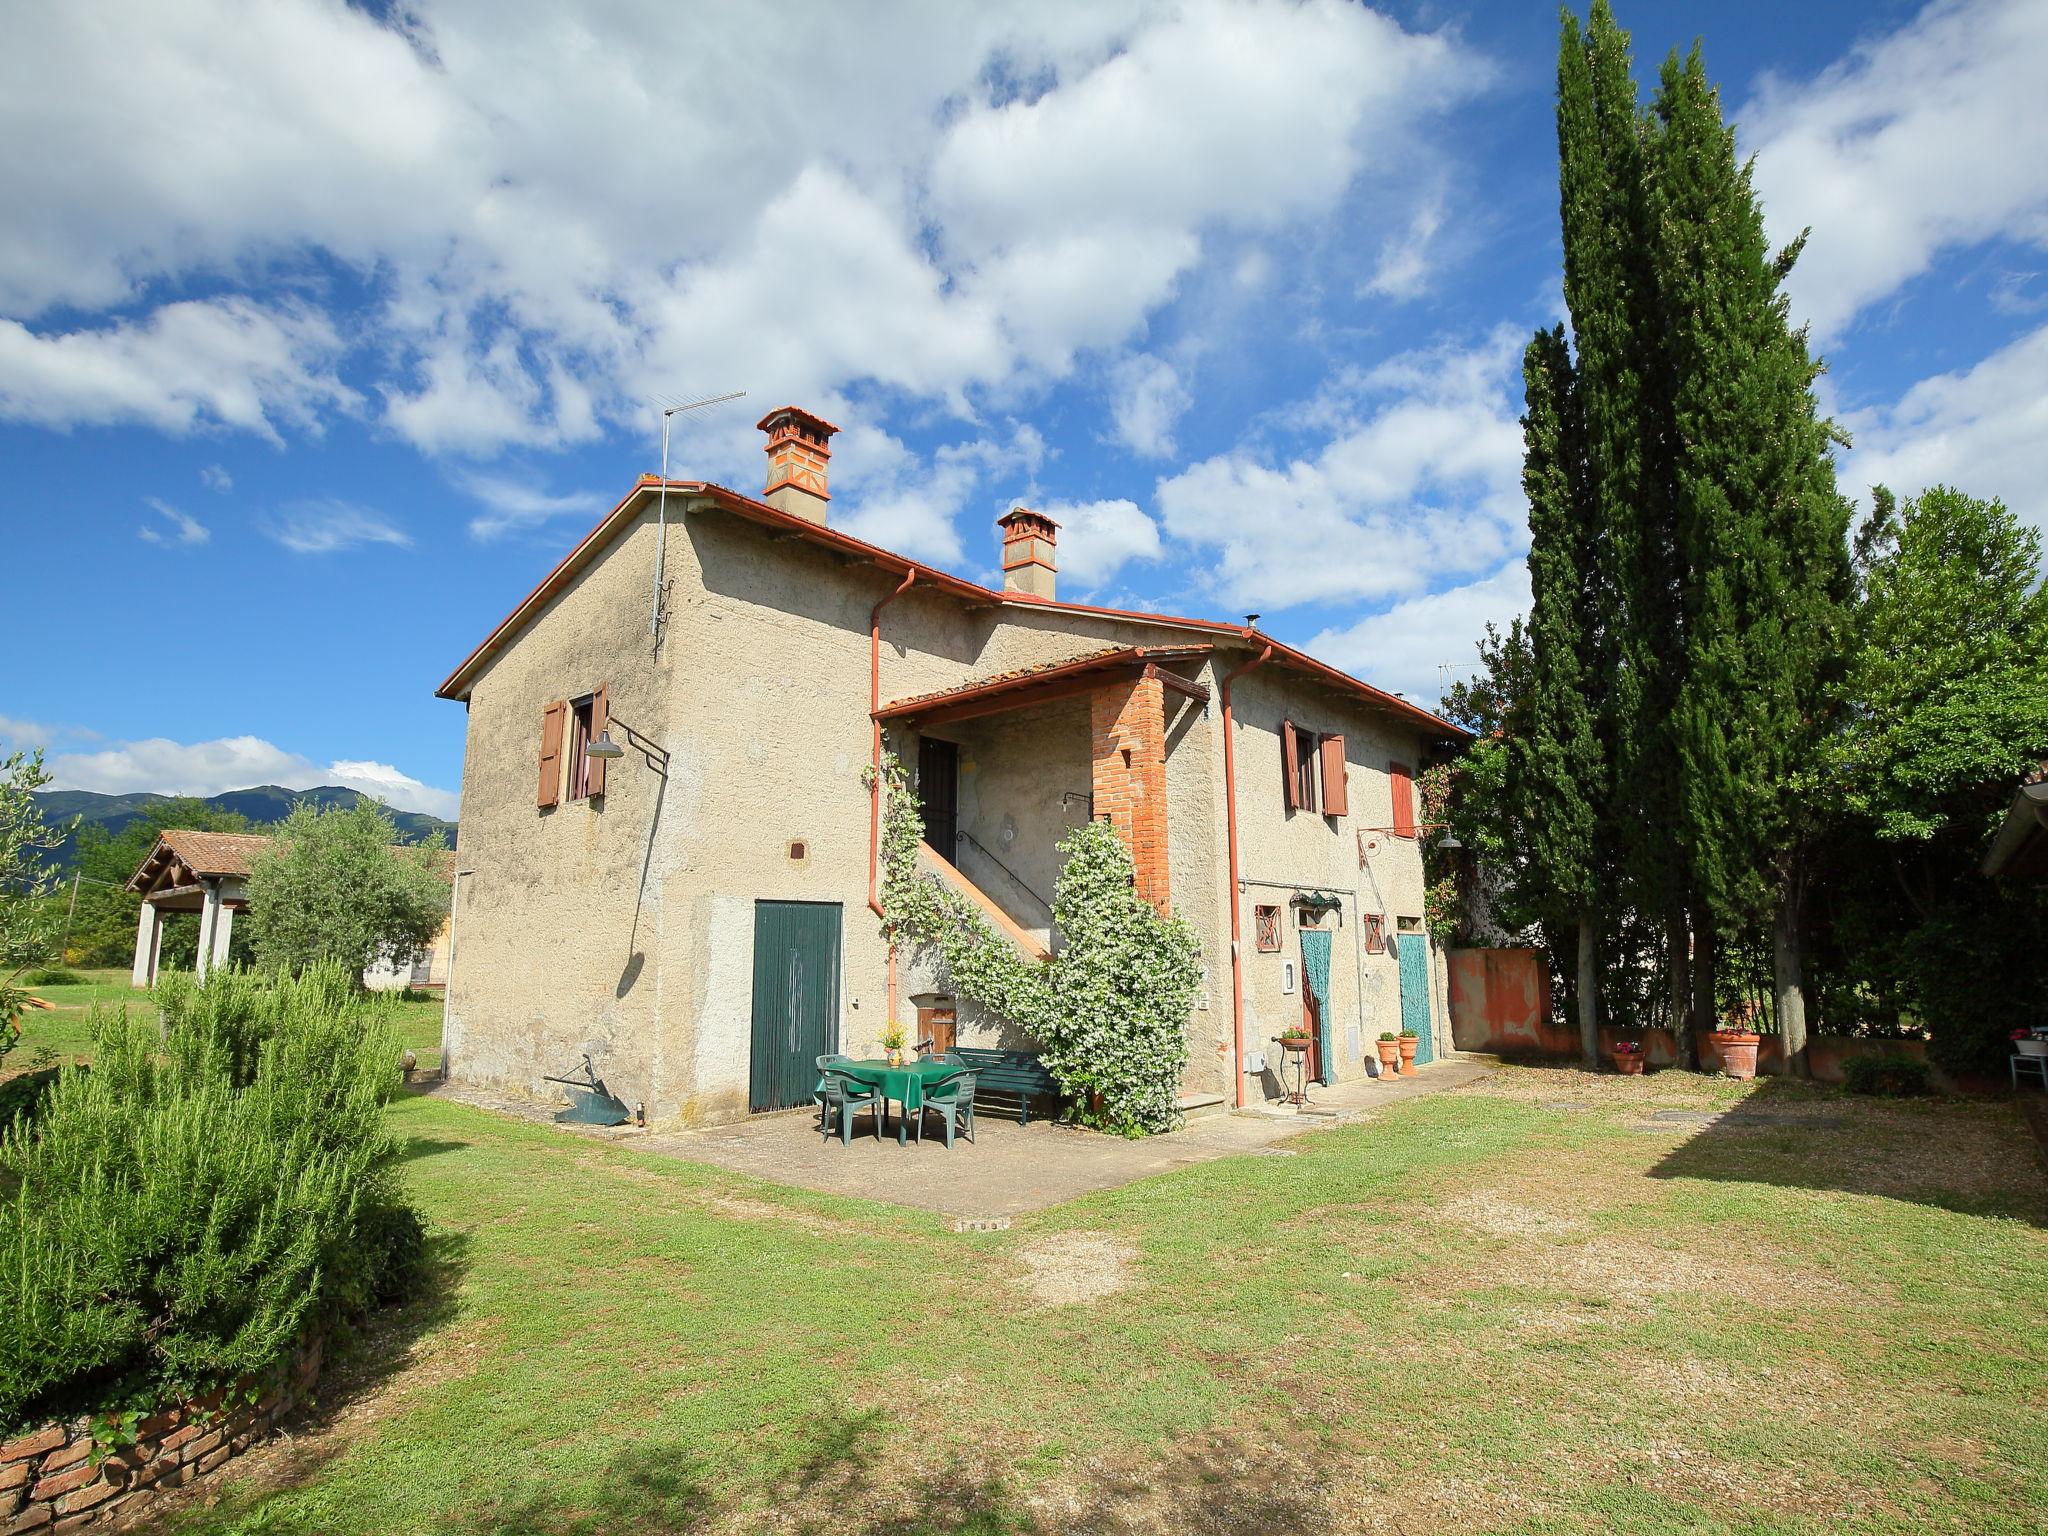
(1415, 993)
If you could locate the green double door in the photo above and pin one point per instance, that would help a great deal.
(796, 1000)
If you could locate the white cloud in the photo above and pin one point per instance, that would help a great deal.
(1418, 480)
(322, 527)
(186, 366)
(1924, 140)
(1983, 430)
(216, 478)
(553, 227)
(513, 503)
(1147, 398)
(184, 529)
(1098, 538)
(1404, 264)
(1408, 647)
(205, 768)
(887, 494)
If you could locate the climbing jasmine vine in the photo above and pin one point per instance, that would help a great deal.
(1109, 1011)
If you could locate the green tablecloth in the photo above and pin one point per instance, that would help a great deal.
(904, 1084)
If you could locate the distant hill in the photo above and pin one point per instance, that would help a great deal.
(264, 805)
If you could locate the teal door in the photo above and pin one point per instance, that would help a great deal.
(1315, 990)
(796, 999)
(1415, 993)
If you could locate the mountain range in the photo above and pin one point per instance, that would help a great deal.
(264, 805)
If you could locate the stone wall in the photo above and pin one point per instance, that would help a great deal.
(51, 1481)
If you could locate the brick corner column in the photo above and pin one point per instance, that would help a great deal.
(1127, 723)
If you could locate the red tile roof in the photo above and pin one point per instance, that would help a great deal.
(458, 682)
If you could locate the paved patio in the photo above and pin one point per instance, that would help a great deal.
(1010, 1169)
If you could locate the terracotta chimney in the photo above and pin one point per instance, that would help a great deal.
(799, 447)
(1029, 542)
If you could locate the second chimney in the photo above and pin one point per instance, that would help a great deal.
(799, 448)
(1030, 540)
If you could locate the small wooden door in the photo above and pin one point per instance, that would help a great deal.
(1415, 989)
(938, 794)
(796, 1000)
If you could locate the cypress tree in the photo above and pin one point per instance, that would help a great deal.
(1611, 288)
(1556, 766)
(1761, 533)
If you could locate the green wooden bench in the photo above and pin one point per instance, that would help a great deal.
(1008, 1072)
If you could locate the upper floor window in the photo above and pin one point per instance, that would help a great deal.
(1311, 764)
(1402, 779)
(567, 727)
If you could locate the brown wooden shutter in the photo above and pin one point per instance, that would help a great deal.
(600, 712)
(1336, 795)
(1290, 760)
(552, 719)
(1404, 799)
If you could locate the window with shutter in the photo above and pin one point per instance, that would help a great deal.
(600, 718)
(553, 720)
(1336, 781)
(1290, 765)
(1402, 779)
(1298, 761)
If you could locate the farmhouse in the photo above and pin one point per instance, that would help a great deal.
(699, 915)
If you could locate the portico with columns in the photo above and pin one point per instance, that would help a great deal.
(203, 872)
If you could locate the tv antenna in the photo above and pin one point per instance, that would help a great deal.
(671, 409)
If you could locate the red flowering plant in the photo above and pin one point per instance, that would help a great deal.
(1628, 1047)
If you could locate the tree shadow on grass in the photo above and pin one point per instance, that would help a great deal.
(413, 1148)
(1971, 1156)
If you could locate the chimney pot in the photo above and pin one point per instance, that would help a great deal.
(799, 448)
(1030, 544)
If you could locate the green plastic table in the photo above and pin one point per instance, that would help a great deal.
(904, 1084)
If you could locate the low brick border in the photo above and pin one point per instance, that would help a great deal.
(50, 1484)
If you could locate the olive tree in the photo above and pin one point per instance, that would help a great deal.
(334, 885)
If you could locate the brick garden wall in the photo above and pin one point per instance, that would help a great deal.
(50, 1482)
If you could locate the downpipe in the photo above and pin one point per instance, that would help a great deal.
(875, 770)
(1230, 823)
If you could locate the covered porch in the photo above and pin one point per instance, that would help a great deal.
(202, 872)
(1005, 766)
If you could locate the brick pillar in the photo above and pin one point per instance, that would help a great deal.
(1128, 744)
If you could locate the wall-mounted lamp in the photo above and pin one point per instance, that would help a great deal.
(604, 747)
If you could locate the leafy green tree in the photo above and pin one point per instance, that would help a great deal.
(1762, 532)
(1557, 773)
(1943, 705)
(333, 885)
(26, 878)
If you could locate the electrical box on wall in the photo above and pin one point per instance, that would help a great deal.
(1254, 1063)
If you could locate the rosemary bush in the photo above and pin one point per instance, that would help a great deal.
(176, 1215)
(1109, 1012)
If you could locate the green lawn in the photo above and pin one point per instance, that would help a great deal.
(1483, 1311)
(65, 1029)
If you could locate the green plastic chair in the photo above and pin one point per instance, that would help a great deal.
(841, 1096)
(818, 1093)
(952, 1100)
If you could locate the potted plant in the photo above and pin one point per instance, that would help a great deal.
(1628, 1057)
(1409, 1042)
(1738, 1041)
(893, 1038)
(1294, 1037)
(2029, 1042)
(1390, 1052)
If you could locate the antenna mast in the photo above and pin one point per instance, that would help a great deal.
(661, 515)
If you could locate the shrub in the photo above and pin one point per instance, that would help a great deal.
(1893, 1075)
(53, 976)
(180, 1214)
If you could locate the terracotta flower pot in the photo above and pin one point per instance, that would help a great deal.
(1390, 1055)
(1629, 1063)
(1738, 1052)
(1294, 1042)
(1407, 1045)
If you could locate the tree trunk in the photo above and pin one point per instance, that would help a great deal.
(1589, 992)
(1788, 977)
(1705, 1016)
(1677, 939)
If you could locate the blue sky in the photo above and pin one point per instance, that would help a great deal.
(325, 335)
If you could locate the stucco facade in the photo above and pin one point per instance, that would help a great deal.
(622, 925)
